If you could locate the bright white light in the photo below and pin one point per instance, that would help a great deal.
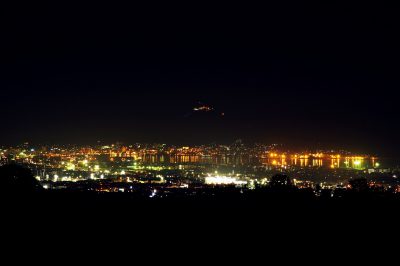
(223, 180)
(153, 193)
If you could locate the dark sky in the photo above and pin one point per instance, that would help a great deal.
(303, 75)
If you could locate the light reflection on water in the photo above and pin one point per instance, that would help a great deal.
(356, 163)
(343, 162)
(196, 159)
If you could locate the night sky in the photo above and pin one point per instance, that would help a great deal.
(306, 76)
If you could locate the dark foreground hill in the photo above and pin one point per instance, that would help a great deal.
(117, 226)
(23, 199)
(244, 225)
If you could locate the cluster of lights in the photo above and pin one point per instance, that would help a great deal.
(223, 180)
(204, 108)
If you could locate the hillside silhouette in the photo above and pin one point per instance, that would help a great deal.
(16, 179)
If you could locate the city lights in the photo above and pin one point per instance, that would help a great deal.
(110, 168)
(254, 120)
(223, 180)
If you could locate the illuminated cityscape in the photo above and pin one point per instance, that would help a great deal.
(211, 121)
(165, 168)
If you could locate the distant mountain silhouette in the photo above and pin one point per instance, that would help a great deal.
(210, 115)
